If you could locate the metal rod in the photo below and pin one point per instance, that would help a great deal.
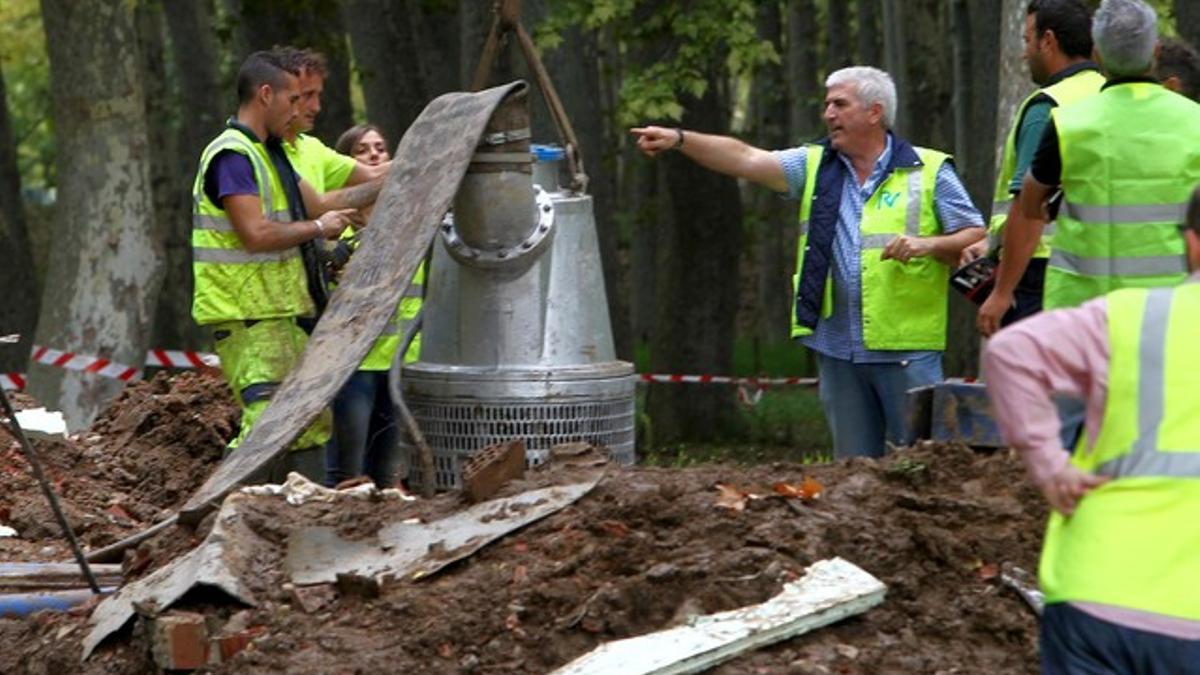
(31, 457)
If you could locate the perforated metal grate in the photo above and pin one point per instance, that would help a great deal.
(455, 430)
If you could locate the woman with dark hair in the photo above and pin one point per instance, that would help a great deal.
(365, 432)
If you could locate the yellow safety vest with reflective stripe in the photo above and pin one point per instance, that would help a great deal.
(384, 350)
(323, 167)
(1066, 91)
(903, 304)
(231, 283)
(1130, 159)
(1133, 542)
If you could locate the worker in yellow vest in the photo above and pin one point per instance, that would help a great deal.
(881, 222)
(1058, 50)
(251, 245)
(1126, 160)
(1122, 549)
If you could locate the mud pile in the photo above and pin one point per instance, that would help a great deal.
(646, 549)
(142, 458)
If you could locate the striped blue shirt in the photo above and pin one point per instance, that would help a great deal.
(840, 335)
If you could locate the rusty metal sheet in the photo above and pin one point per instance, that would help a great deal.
(224, 559)
(427, 169)
(417, 550)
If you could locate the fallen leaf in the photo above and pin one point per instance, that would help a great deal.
(445, 650)
(513, 622)
(615, 528)
(988, 571)
(731, 497)
(808, 489)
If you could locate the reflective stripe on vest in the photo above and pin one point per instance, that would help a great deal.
(232, 283)
(1145, 459)
(1068, 90)
(1124, 192)
(1132, 542)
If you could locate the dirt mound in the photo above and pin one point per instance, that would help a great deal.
(141, 459)
(644, 550)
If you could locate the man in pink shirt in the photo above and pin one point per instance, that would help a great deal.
(1121, 560)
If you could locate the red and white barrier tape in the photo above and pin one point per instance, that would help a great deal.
(760, 382)
(85, 363)
(162, 358)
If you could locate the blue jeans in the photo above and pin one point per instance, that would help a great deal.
(865, 402)
(365, 434)
(1074, 642)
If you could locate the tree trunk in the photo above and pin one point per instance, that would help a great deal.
(316, 24)
(804, 87)
(769, 110)
(895, 58)
(837, 36)
(102, 286)
(386, 57)
(869, 43)
(1013, 83)
(18, 314)
(1187, 20)
(475, 20)
(697, 282)
(927, 76)
(171, 185)
(203, 97)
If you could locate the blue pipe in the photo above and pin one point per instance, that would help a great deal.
(24, 604)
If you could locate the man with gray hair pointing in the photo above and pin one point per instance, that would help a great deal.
(881, 223)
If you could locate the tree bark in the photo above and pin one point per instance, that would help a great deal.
(18, 314)
(404, 57)
(837, 36)
(926, 92)
(1187, 20)
(103, 283)
(316, 24)
(203, 99)
(895, 58)
(804, 87)
(769, 111)
(170, 182)
(870, 46)
(698, 257)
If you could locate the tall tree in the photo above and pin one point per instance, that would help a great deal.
(837, 36)
(769, 124)
(870, 44)
(1187, 20)
(18, 314)
(316, 24)
(170, 180)
(203, 98)
(406, 53)
(804, 88)
(104, 274)
(895, 58)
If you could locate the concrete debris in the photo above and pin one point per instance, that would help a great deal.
(416, 550)
(298, 490)
(6, 531)
(39, 422)
(830, 591)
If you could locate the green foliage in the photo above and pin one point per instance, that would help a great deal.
(685, 42)
(27, 80)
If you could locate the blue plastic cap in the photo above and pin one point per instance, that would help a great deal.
(546, 153)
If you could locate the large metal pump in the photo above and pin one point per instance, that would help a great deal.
(517, 342)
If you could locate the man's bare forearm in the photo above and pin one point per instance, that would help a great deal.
(947, 248)
(1022, 232)
(355, 197)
